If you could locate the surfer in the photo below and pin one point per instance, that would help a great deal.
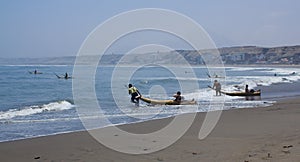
(177, 99)
(34, 72)
(66, 76)
(135, 94)
(217, 87)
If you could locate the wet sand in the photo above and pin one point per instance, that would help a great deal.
(241, 135)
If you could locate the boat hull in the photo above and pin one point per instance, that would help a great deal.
(167, 102)
(256, 93)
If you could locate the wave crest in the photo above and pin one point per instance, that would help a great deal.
(35, 109)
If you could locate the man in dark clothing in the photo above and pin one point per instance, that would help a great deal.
(177, 98)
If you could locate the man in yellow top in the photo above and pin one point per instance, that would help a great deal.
(135, 94)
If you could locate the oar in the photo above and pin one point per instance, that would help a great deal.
(57, 75)
(209, 86)
(208, 75)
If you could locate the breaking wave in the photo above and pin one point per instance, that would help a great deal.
(35, 109)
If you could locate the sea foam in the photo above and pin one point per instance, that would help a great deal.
(35, 109)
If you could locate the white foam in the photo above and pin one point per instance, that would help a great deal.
(37, 65)
(246, 68)
(53, 106)
(283, 75)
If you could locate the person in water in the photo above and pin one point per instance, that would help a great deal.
(178, 98)
(66, 76)
(135, 94)
(217, 87)
(246, 89)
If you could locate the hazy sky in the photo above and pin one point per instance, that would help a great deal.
(40, 28)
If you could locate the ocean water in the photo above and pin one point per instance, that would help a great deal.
(34, 105)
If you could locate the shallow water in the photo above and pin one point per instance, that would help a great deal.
(38, 105)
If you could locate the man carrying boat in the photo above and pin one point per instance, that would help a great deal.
(135, 94)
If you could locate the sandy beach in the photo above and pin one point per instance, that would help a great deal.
(241, 135)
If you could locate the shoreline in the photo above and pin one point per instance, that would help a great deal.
(267, 90)
(276, 99)
(263, 65)
(112, 65)
(249, 134)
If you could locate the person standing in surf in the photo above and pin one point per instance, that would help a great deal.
(217, 87)
(247, 89)
(135, 94)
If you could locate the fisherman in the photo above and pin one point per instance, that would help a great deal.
(246, 89)
(135, 94)
(178, 98)
(217, 87)
(66, 76)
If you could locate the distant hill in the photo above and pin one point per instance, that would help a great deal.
(261, 55)
(69, 60)
(230, 55)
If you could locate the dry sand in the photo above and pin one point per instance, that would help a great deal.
(254, 134)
